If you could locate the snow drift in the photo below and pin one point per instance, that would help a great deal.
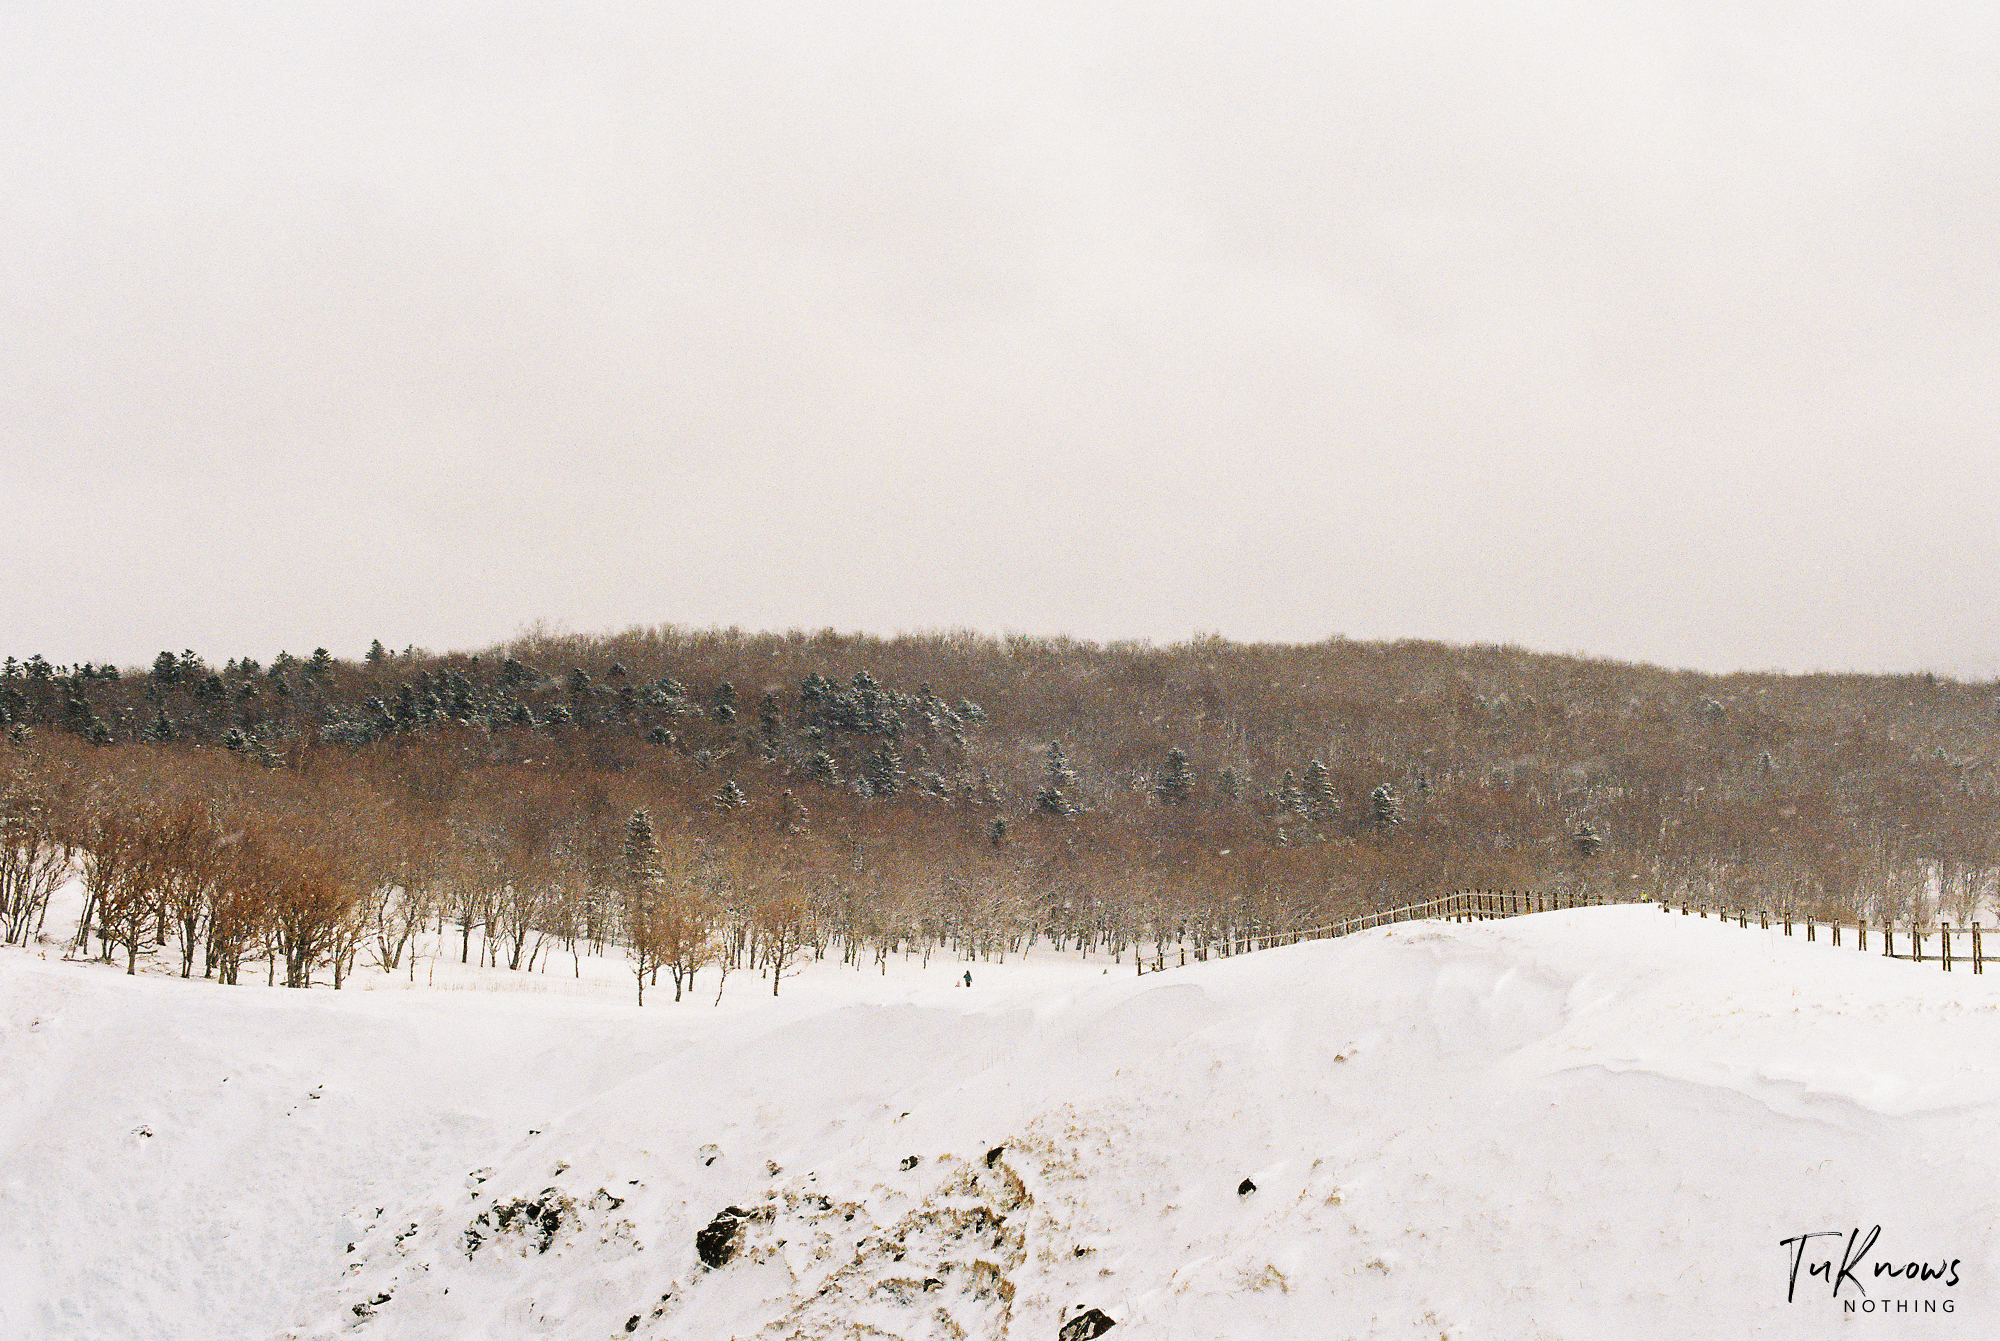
(1583, 1124)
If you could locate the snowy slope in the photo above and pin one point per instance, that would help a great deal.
(1585, 1124)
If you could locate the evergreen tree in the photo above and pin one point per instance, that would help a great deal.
(729, 796)
(1050, 801)
(792, 813)
(1060, 774)
(644, 887)
(1321, 803)
(989, 795)
(162, 729)
(770, 719)
(377, 654)
(1586, 841)
(996, 832)
(723, 703)
(1290, 799)
(1230, 783)
(1385, 809)
(321, 665)
(641, 854)
(1175, 784)
(166, 669)
(883, 773)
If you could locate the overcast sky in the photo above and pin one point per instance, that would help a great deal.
(1663, 331)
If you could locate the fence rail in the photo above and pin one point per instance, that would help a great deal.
(1954, 944)
(1465, 905)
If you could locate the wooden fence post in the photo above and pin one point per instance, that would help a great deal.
(1861, 931)
(1944, 930)
(1763, 919)
(1809, 929)
(1916, 941)
(1978, 960)
(1788, 921)
(1836, 933)
(1888, 940)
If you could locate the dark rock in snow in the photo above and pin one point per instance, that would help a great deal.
(632, 1323)
(909, 1162)
(716, 1244)
(993, 1155)
(1086, 1325)
(542, 1216)
(1245, 1188)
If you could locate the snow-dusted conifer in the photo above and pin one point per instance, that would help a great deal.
(1175, 784)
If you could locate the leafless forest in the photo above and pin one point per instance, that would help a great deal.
(709, 800)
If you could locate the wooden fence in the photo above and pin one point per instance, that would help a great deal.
(1953, 943)
(1959, 945)
(1465, 905)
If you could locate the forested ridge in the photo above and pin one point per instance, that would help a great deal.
(716, 797)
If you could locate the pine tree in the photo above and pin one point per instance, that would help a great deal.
(770, 719)
(643, 889)
(1385, 809)
(792, 813)
(1060, 774)
(1175, 784)
(1586, 841)
(822, 769)
(377, 654)
(1321, 803)
(729, 796)
(996, 832)
(1290, 799)
(321, 665)
(884, 771)
(1230, 783)
(1051, 801)
(166, 669)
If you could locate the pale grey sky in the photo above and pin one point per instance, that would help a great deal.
(1659, 331)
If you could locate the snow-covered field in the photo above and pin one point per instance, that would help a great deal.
(1587, 1124)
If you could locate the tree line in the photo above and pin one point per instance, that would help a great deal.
(711, 801)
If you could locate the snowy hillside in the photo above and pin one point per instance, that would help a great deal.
(1585, 1124)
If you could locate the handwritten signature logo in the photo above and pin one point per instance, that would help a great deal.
(1853, 1258)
